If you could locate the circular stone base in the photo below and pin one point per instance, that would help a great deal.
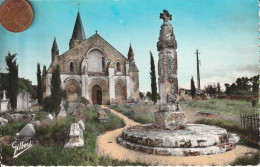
(194, 140)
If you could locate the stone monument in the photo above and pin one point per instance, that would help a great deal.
(23, 101)
(4, 103)
(169, 115)
(170, 134)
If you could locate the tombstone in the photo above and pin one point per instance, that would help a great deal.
(80, 113)
(49, 117)
(62, 112)
(18, 117)
(102, 116)
(36, 123)
(4, 103)
(76, 138)
(3, 121)
(9, 117)
(23, 101)
(27, 131)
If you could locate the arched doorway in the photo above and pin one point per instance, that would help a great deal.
(120, 92)
(73, 91)
(96, 95)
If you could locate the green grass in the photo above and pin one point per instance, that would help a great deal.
(144, 117)
(230, 125)
(141, 117)
(244, 161)
(49, 132)
(56, 155)
(231, 107)
(12, 128)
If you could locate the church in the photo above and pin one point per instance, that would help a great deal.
(94, 69)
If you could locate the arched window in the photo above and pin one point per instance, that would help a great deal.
(118, 67)
(71, 67)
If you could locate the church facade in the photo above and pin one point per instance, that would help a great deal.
(94, 69)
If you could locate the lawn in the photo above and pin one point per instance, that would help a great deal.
(230, 107)
(52, 153)
(142, 116)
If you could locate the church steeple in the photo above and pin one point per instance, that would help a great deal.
(131, 55)
(54, 49)
(78, 34)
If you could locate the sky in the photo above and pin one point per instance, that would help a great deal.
(224, 31)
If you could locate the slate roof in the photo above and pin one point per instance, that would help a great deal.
(78, 32)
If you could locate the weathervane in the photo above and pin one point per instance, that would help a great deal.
(166, 16)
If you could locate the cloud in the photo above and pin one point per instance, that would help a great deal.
(225, 75)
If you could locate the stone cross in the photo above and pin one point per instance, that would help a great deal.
(4, 95)
(166, 16)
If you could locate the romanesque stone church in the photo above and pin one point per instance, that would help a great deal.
(94, 69)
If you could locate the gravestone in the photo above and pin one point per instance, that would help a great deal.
(23, 101)
(102, 115)
(62, 112)
(4, 103)
(79, 115)
(3, 121)
(27, 131)
(76, 138)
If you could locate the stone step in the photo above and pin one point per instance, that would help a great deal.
(194, 136)
(177, 151)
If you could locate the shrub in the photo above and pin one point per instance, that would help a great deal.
(84, 100)
(47, 104)
(144, 117)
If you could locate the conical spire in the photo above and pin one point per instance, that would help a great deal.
(78, 32)
(54, 46)
(131, 55)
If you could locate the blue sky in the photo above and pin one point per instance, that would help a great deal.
(224, 31)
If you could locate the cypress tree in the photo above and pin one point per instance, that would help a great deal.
(13, 84)
(39, 85)
(192, 88)
(55, 89)
(153, 80)
(218, 88)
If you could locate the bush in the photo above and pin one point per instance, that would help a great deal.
(47, 104)
(144, 117)
(84, 100)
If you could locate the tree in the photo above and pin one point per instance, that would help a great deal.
(153, 80)
(192, 88)
(149, 95)
(55, 89)
(141, 95)
(255, 84)
(218, 88)
(39, 85)
(211, 90)
(13, 84)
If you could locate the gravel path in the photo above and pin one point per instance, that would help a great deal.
(108, 147)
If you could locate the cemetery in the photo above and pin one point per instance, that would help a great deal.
(177, 130)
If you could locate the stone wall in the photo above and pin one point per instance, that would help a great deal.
(135, 78)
